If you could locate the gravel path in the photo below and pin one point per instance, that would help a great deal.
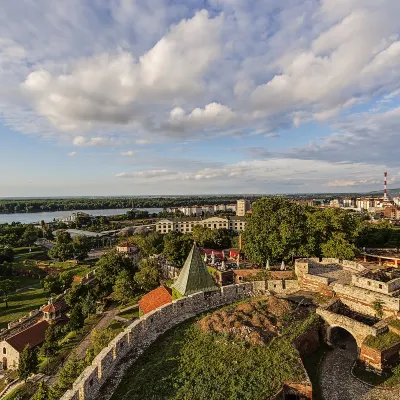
(337, 382)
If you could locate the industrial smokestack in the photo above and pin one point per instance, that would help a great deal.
(385, 186)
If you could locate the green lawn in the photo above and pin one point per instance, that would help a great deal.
(23, 281)
(130, 314)
(20, 304)
(187, 363)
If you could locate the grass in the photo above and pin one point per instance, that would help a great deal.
(22, 281)
(20, 304)
(395, 323)
(24, 392)
(22, 250)
(130, 314)
(186, 363)
(382, 342)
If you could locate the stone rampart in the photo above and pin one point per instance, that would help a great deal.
(361, 300)
(282, 286)
(144, 331)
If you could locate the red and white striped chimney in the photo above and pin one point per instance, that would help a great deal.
(385, 186)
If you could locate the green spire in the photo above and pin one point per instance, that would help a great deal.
(194, 276)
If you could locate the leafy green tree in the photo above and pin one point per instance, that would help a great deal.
(177, 247)
(7, 287)
(42, 392)
(100, 339)
(66, 278)
(275, 230)
(51, 284)
(50, 345)
(76, 318)
(148, 276)
(110, 265)
(69, 373)
(338, 247)
(62, 251)
(6, 254)
(148, 243)
(63, 237)
(125, 287)
(28, 363)
(82, 246)
(30, 235)
(88, 305)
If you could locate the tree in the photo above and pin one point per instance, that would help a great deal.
(66, 278)
(82, 245)
(63, 237)
(30, 235)
(6, 254)
(76, 318)
(177, 247)
(378, 307)
(100, 339)
(148, 243)
(69, 373)
(51, 284)
(7, 287)
(88, 305)
(62, 251)
(28, 363)
(42, 392)
(50, 345)
(125, 287)
(338, 247)
(148, 276)
(275, 230)
(110, 265)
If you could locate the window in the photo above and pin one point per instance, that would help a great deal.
(369, 283)
(91, 382)
(380, 286)
(4, 350)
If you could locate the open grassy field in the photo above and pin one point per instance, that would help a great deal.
(21, 303)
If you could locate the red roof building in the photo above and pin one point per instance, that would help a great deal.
(154, 299)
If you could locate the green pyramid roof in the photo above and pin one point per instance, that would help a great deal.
(194, 276)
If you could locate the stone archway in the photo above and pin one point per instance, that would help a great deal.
(337, 336)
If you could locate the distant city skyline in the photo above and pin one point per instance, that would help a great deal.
(123, 97)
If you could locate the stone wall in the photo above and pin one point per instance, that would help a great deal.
(361, 300)
(144, 331)
(376, 286)
(359, 330)
(283, 286)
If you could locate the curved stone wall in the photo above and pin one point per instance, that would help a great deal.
(143, 332)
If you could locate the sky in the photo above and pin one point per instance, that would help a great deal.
(136, 97)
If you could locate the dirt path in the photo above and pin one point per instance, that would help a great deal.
(106, 319)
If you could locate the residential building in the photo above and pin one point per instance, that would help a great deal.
(11, 347)
(129, 250)
(334, 203)
(349, 202)
(242, 206)
(185, 225)
(392, 212)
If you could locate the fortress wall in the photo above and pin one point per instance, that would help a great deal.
(143, 332)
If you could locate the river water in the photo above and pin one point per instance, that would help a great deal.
(28, 218)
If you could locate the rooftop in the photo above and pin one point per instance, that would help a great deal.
(154, 299)
(34, 335)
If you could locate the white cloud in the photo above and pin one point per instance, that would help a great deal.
(82, 141)
(127, 153)
(72, 153)
(271, 135)
(145, 174)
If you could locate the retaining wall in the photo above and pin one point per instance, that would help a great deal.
(143, 332)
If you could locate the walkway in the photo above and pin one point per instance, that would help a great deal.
(337, 382)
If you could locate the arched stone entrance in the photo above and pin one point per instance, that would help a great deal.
(338, 336)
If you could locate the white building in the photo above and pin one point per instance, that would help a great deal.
(185, 225)
(242, 207)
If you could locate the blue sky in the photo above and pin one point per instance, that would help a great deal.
(132, 97)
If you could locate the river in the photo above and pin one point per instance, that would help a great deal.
(48, 216)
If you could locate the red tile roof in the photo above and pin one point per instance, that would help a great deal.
(154, 299)
(57, 306)
(33, 336)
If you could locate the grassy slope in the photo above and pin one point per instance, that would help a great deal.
(20, 304)
(189, 364)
